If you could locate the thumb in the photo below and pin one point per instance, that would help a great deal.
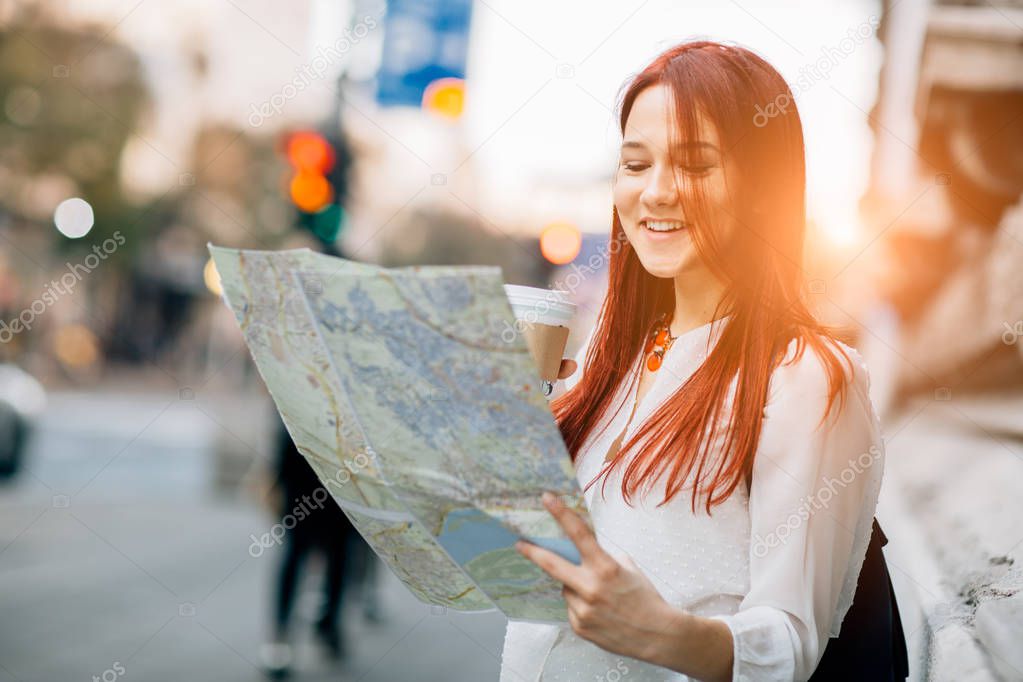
(568, 368)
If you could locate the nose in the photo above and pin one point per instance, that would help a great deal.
(660, 189)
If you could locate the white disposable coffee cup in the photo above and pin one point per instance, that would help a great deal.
(543, 316)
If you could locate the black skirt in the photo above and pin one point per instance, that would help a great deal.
(871, 645)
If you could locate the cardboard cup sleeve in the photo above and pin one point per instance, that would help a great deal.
(547, 345)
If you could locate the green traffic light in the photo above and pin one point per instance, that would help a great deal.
(325, 224)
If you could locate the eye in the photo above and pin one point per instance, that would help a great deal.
(635, 166)
(697, 169)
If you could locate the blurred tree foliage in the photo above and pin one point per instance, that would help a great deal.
(71, 97)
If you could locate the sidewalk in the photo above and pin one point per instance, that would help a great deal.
(952, 505)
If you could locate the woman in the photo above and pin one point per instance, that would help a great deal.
(726, 443)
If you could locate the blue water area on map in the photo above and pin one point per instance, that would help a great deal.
(468, 533)
(563, 547)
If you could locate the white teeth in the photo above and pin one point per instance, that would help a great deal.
(664, 226)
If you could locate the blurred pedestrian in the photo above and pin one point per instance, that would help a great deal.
(309, 527)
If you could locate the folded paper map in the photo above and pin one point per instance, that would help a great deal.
(418, 412)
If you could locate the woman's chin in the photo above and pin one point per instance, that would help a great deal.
(658, 267)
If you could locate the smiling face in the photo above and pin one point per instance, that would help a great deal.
(649, 187)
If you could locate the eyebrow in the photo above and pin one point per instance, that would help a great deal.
(632, 144)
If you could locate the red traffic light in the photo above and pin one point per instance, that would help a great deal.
(310, 152)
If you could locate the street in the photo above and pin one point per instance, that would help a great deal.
(120, 558)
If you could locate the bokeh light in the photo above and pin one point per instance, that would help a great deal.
(445, 97)
(310, 191)
(74, 217)
(212, 278)
(560, 242)
(309, 151)
(75, 346)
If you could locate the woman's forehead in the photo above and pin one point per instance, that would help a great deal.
(651, 120)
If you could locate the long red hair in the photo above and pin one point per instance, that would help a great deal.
(761, 267)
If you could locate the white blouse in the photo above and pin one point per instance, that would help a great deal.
(779, 566)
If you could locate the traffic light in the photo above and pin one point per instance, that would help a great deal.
(318, 182)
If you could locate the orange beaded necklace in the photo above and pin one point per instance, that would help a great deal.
(658, 344)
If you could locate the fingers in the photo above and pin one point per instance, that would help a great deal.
(576, 529)
(560, 569)
(568, 368)
(596, 563)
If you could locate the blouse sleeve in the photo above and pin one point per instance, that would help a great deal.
(812, 500)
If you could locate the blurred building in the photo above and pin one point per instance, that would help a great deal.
(949, 158)
(945, 341)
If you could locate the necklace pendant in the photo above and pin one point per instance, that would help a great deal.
(653, 361)
(659, 342)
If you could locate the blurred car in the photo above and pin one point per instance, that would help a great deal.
(22, 400)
